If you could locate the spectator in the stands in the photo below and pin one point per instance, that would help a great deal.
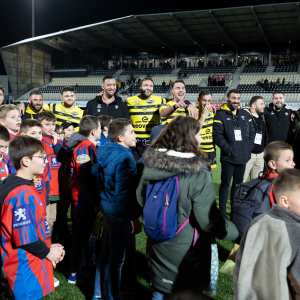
(217, 81)
(277, 82)
(164, 85)
(266, 82)
(209, 81)
(283, 81)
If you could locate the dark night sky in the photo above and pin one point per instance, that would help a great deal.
(56, 15)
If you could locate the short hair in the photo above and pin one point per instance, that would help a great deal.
(67, 89)
(87, 124)
(58, 127)
(277, 92)
(46, 115)
(176, 81)
(29, 123)
(35, 92)
(21, 146)
(204, 92)
(108, 77)
(4, 134)
(273, 150)
(254, 99)
(105, 120)
(2, 88)
(287, 181)
(5, 109)
(145, 79)
(117, 127)
(235, 91)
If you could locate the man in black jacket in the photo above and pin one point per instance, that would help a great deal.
(278, 119)
(234, 133)
(108, 104)
(35, 106)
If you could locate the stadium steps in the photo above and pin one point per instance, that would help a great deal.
(269, 70)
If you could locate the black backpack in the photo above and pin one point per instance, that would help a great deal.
(251, 199)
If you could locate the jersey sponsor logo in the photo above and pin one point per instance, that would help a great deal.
(135, 107)
(2, 170)
(228, 119)
(207, 130)
(21, 216)
(144, 109)
(39, 187)
(83, 158)
(116, 106)
(150, 101)
(144, 119)
(54, 163)
(47, 230)
(272, 113)
(243, 117)
(137, 102)
(74, 113)
(286, 113)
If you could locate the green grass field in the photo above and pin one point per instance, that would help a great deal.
(68, 291)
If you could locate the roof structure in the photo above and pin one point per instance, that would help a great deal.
(236, 25)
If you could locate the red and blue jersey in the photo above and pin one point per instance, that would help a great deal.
(41, 188)
(84, 156)
(23, 221)
(11, 168)
(3, 167)
(53, 165)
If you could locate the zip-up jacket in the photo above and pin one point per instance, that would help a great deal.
(278, 123)
(225, 122)
(116, 109)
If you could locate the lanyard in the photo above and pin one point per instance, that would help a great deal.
(253, 119)
(237, 121)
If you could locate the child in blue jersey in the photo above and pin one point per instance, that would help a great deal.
(27, 254)
(4, 142)
(85, 194)
(116, 170)
(104, 120)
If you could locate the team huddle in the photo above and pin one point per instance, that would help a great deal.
(149, 157)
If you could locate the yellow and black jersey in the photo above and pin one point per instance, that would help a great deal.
(31, 114)
(177, 112)
(62, 114)
(207, 143)
(144, 115)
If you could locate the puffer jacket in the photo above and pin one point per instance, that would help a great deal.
(176, 264)
(237, 152)
(116, 170)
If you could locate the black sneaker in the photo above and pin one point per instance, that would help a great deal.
(131, 290)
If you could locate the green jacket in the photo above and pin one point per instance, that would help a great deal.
(176, 264)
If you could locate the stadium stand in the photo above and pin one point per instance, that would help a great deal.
(287, 68)
(102, 72)
(209, 70)
(254, 69)
(146, 71)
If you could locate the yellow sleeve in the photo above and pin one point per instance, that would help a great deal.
(163, 106)
(46, 107)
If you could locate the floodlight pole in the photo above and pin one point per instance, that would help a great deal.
(33, 25)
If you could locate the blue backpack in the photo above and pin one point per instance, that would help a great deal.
(160, 210)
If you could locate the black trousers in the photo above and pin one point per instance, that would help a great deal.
(229, 170)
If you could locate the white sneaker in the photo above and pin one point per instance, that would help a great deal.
(56, 282)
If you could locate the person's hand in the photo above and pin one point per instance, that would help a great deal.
(55, 137)
(193, 112)
(292, 117)
(22, 109)
(37, 181)
(136, 226)
(206, 110)
(180, 104)
(100, 94)
(63, 252)
(54, 255)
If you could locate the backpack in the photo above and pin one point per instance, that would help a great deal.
(251, 199)
(160, 210)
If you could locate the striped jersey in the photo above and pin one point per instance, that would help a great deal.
(83, 158)
(177, 112)
(144, 115)
(3, 167)
(23, 221)
(53, 166)
(11, 168)
(207, 143)
(62, 114)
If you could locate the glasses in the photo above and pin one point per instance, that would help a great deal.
(43, 157)
(60, 133)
